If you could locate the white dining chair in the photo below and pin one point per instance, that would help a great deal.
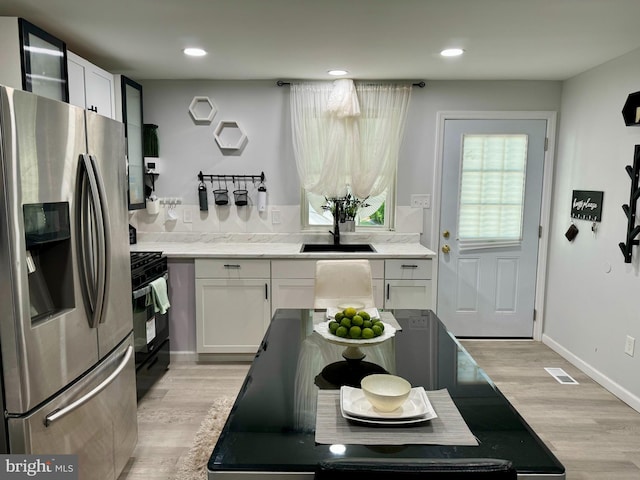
(343, 281)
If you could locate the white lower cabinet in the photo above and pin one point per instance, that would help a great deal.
(235, 299)
(293, 283)
(232, 305)
(408, 284)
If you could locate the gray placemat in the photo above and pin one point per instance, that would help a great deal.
(448, 429)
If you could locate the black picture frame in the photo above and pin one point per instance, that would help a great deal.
(54, 83)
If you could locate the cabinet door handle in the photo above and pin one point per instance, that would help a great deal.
(408, 266)
(228, 265)
(266, 291)
(388, 288)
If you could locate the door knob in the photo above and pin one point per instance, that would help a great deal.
(446, 249)
(445, 234)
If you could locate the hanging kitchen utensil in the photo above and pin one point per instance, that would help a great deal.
(221, 195)
(202, 197)
(240, 194)
(262, 197)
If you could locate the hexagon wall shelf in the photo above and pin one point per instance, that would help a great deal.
(631, 110)
(229, 135)
(202, 109)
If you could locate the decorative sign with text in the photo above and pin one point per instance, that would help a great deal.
(587, 205)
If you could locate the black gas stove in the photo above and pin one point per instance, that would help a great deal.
(147, 266)
(150, 327)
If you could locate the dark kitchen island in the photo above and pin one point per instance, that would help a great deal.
(271, 428)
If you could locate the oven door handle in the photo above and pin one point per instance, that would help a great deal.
(141, 292)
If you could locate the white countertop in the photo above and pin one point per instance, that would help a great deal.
(275, 250)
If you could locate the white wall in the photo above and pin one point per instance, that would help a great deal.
(262, 109)
(592, 297)
(187, 148)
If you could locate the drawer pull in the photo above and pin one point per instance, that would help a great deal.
(408, 266)
(231, 265)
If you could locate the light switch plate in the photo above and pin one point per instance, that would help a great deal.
(629, 345)
(421, 201)
(187, 216)
(275, 217)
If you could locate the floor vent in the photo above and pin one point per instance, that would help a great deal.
(561, 376)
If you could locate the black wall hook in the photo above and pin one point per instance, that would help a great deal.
(630, 209)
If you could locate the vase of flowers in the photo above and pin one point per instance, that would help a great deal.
(348, 210)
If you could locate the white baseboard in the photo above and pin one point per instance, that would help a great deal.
(616, 389)
(178, 357)
(194, 357)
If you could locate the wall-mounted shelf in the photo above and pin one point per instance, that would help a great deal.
(631, 110)
(630, 209)
(229, 135)
(202, 109)
(254, 178)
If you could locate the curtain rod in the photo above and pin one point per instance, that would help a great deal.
(420, 84)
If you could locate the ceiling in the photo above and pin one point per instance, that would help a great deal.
(372, 39)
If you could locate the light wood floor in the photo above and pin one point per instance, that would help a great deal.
(595, 435)
(170, 414)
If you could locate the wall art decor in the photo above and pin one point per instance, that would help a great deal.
(587, 205)
(202, 110)
(631, 110)
(229, 135)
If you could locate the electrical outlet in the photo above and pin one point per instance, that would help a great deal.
(275, 217)
(187, 216)
(421, 201)
(629, 345)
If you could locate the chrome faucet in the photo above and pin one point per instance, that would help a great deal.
(336, 224)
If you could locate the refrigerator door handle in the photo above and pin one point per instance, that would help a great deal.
(61, 412)
(86, 271)
(104, 238)
(94, 278)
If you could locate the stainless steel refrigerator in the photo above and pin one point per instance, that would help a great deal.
(68, 375)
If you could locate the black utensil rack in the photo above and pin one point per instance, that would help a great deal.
(233, 178)
(630, 208)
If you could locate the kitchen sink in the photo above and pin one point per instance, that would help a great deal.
(346, 247)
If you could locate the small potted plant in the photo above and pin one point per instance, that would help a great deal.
(348, 208)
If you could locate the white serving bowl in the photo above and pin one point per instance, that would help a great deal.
(385, 392)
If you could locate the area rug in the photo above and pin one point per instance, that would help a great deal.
(193, 464)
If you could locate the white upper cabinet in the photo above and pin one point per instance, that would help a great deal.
(90, 86)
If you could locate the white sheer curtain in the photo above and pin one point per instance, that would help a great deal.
(347, 135)
(381, 127)
(323, 138)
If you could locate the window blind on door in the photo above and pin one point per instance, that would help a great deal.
(492, 184)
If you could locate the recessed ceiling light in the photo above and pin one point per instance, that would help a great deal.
(451, 52)
(337, 73)
(194, 52)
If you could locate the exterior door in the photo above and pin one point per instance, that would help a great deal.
(492, 177)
